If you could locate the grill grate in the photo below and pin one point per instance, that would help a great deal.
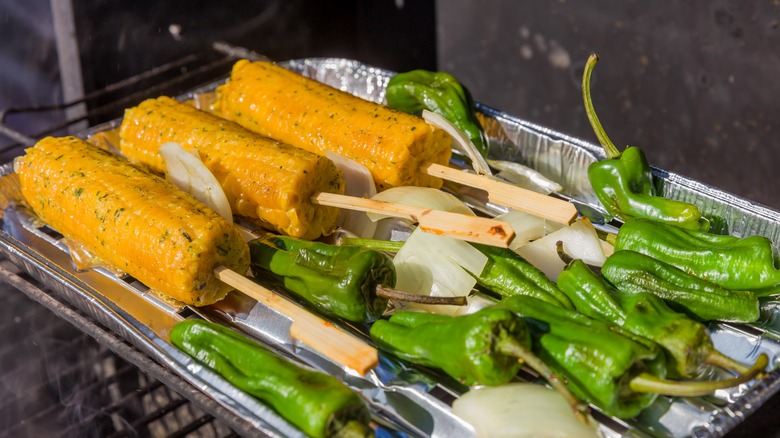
(57, 381)
(173, 78)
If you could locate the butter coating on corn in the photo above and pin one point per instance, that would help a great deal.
(291, 108)
(130, 219)
(262, 178)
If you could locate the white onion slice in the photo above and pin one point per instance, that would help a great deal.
(520, 410)
(423, 197)
(525, 177)
(580, 241)
(460, 141)
(359, 183)
(527, 227)
(433, 265)
(187, 172)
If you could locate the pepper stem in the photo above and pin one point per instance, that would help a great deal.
(720, 360)
(606, 143)
(509, 346)
(394, 294)
(610, 238)
(649, 383)
(377, 244)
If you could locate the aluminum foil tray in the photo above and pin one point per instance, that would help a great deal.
(405, 401)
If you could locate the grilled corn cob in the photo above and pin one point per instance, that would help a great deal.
(133, 221)
(263, 179)
(284, 105)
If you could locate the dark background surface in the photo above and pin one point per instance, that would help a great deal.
(695, 84)
(692, 83)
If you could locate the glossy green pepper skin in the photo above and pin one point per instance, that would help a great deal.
(633, 272)
(339, 281)
(467, 348)
(440, 93)
(623, 185)
(623, 181)
(730, 262)
(508, 274)
(597, 359)
(686, 342)
(316, 403)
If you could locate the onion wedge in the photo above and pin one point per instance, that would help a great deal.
(460, 141)
(527, 227)
(433, 265)
(187, 172)
(580, 241)
(525, 177)
(520, 410)
(423, 197)
(437, 266)
(358, 183)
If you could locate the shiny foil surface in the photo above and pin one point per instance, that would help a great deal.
(404, 400)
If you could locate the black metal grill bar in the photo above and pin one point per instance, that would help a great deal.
(118, 104)
(11, 360)
(53, 408)
(116, 406)
(40, 412)
(198, 424)
(151, 417)
(117, 86)
(227, 420)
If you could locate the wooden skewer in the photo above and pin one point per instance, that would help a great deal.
(461, 226)
(508, 195)
(307, 327)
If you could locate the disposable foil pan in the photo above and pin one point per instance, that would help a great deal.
(404, 400)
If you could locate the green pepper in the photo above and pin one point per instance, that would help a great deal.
(508, 274)
(619, 372)
(316, 403)
(340, 281)
(601, 364)
(730, 262)
(440, 93)
(686, 342)
(633, 272)
(473, 349)
(623, 182)
(487, 347)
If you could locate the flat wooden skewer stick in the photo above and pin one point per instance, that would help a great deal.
(508, 195)
(460, 226)
(307, 327)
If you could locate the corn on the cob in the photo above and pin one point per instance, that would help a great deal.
(284, 105)
(133, 221)
(262, 178)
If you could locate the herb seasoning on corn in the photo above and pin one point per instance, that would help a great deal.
(130, 219)
(263, 179)
(286, 106)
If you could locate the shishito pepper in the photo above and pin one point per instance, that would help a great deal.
(735, 263)
(686, 342)
(487, 347)
(340, 281)
(440, 93)
(623, 182)
(317, 403)
(480, 348)
(601, 365)
(634, 272)
(617, 371)
(508, 274)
